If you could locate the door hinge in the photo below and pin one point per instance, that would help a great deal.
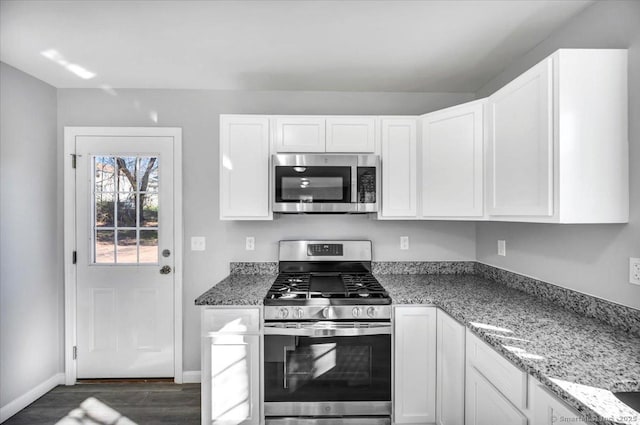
(73, 160)
(75, 352)
(74, 257)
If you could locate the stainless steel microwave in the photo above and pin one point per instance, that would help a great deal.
(325, 183)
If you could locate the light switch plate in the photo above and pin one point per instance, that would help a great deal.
(502, 248)
(404, 243)
(198, 243)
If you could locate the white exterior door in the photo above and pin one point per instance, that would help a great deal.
(125, 257)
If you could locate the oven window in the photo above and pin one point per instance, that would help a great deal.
(309, 189)
(327, 369)
(313, 184)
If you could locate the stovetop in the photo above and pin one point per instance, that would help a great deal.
(326, 288)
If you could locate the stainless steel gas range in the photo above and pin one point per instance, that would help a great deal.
(327, 343)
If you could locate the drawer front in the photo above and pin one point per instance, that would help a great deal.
(504, 376)
(236, 320)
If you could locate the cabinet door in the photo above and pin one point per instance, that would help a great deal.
(520, 148)
(450, 370)
(300, 134)
(484, 405)
(244, 168)
(452, 150)
(231, 384)
(549, 410)
(351, 134)
(415, 365)
(399, 164)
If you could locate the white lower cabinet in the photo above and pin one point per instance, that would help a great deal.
(485, 405)
(449, 370)
(230, 389)
(415, 365)
(549, 409)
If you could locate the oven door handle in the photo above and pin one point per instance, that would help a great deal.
(328, 331)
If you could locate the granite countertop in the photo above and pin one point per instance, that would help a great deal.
(580, 359)
(238, 289)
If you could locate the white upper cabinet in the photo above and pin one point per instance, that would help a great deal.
(557, 146)
(452, 158)
(399, 166)
(351, 134)
(300, 134)
(520, 160)
(244, 168)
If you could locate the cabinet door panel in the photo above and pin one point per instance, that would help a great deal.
(450, 370)
(520, 151)
(549, 410)
(351, 134)
(415, 365)
(234, 379)
(399, 149)
(452, 161)
(244, 168)
(486, 406)
(300, 134)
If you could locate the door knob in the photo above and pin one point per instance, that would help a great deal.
(165, 270)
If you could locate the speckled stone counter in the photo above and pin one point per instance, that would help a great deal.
(238, 289)
(579, 358)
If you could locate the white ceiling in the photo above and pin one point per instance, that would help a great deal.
(366, 45)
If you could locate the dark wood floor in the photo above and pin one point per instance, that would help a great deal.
(144, 403)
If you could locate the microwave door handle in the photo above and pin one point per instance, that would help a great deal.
(354, 184)
(327, 332)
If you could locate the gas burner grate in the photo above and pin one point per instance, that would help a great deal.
(363, 285)
(290, 283)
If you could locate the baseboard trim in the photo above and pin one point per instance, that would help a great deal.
(191, 377)
(30, 396)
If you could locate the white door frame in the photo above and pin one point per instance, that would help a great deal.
(70, 282)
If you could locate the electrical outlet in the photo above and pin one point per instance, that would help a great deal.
(404, 242)
(198, 243)
(502, 248)
(634, 270)
(250, 243)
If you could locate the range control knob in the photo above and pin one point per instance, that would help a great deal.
(283, 313)
(299, 313)
(372, 312)
(326, 312)
(357, 311)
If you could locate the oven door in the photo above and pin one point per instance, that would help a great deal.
(315, 183)
(327, 369)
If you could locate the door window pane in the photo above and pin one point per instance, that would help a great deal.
(148, 249)
(149, 216)
(105, 174)
(127, 209)
(127, 173)
(105, 246)
(104, 209)
(127, 247)
(148, 174)
(125, 200)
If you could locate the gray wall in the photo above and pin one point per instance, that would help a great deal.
(31, 283)
(196, 111)
(588, 258)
